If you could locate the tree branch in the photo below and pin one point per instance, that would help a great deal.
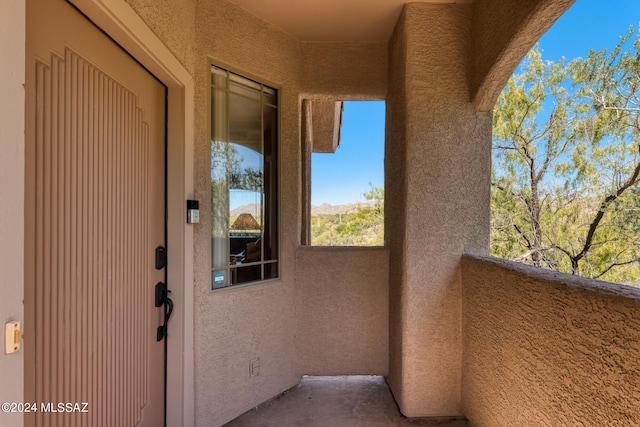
(522, 235)
(603, 207)
(615, 264)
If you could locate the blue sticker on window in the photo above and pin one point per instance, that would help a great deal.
(218, 279)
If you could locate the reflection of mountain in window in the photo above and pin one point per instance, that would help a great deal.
(245, 221)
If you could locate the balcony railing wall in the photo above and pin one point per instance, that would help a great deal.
(543, 348)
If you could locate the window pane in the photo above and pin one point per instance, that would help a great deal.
(220, 161)
(270, 183)
(269, 97)
(243, 180)
(271, 270)
(247, 274)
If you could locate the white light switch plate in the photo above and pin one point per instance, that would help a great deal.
(11, 337)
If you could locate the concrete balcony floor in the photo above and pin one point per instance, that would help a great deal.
(345, 401)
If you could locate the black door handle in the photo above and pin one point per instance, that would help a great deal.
(163, 300)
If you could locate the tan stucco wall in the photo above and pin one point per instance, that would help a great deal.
(12, 42)
(235, 326)
(439, 209)
(395, 195)
(543, 348)
(344, 71)
(324, 122)
(173, 22)
(503, 32)
(342, 311)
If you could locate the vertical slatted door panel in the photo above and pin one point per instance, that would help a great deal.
(92, 245)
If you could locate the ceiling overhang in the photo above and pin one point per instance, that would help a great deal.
(332, 20)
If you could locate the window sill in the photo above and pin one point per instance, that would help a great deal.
(241, 286)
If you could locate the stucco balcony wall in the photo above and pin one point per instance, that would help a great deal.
(544, 348)
(342, 310)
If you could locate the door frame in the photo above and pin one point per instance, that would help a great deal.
(123, 25)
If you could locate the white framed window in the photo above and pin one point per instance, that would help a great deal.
(244, 180)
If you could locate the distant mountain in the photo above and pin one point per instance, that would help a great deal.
(323, 209)
(327, 209)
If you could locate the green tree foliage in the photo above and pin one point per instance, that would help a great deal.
(566, 164)
(363, 226)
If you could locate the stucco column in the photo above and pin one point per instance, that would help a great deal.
(437, 207)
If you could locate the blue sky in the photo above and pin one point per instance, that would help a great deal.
(343, 177)
(595, 24)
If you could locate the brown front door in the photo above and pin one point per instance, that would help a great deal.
(95, 214)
